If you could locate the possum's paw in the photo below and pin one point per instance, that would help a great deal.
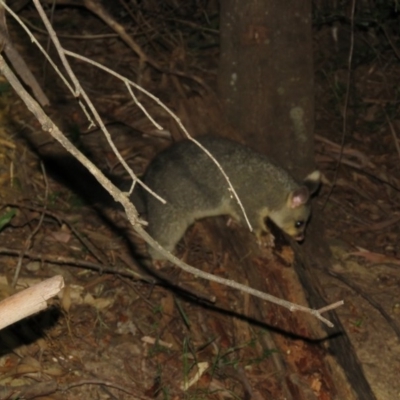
(265, 239)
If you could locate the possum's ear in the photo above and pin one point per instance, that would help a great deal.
(301, 195)
(312, 182)
(298, 197)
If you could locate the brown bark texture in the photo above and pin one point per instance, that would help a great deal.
(266, 77)
(266, 88)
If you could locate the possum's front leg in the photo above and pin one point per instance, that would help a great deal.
(166, 227)
(263, 235)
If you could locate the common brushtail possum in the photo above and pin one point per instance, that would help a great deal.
(195, 188)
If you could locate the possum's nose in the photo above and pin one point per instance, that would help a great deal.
(299, 237)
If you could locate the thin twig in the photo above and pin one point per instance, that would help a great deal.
(18, 62)
(346, 101)
(80, 92)
(101, 382)
(99, 36)
(393, 132)
(177, 120)
(28, 241)
(75, 262)
(49, 126)
(394, 47)
(194, 271)
(39, 46)
(64, 220)
(371, 301)
(97, 8)
(45, 389)
(159, 278)
(131, 212)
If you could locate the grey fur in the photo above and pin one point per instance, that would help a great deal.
(194, 188)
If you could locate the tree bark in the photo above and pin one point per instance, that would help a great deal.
(266, 77)
(266, 88)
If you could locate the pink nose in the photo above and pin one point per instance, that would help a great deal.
(299, 237)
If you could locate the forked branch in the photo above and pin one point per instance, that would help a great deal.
(49, 126)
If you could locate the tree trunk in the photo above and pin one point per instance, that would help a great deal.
(266, 88)
(267, 92)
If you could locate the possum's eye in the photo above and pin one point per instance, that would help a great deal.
(299, 224)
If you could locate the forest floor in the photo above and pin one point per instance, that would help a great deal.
(113, 336)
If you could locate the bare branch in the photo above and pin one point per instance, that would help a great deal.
(49, 126)
(19, 63)
(29, 301)
(177, 120)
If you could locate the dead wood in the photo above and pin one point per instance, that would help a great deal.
(19, 63)
(29, 301)
(311, 362)
(313, 256)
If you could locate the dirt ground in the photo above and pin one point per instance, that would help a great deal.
(115, 334)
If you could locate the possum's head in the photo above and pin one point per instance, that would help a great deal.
(293, 216)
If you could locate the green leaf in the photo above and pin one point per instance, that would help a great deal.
(7, 217)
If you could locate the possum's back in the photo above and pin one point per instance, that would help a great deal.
(184, 168)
